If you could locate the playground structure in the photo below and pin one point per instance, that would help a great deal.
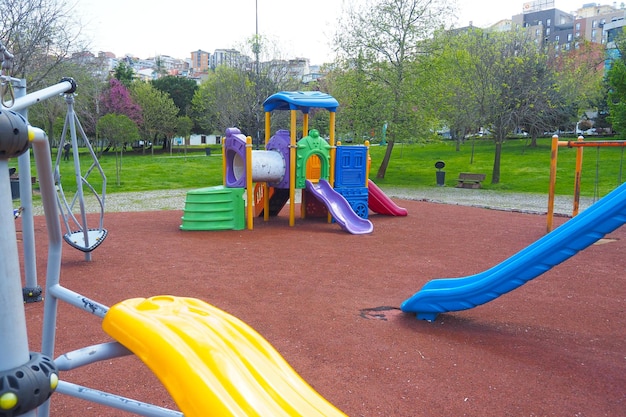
(172, 334)
(579, 144)
(209, 361)
(333, 179)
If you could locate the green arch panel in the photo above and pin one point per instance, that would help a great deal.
(307, 147)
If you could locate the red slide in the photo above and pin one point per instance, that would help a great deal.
(379, 203)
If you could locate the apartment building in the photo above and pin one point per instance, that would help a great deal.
(199, 62)
(564, 30)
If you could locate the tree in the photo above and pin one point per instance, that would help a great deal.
(159, 68)
(184, 124)
(117, 130)
(158, 113)
(579, 75)
(181, 90)
(362, 108)
(450, 84)
(124, 73)
(616, 81)
(505, 81)
(224, 100)
(51, 112)
(388, 35)
(117, 99)
(41, 34)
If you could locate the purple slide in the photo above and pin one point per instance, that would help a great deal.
(339, 207)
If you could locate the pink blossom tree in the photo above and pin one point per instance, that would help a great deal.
(116, 99)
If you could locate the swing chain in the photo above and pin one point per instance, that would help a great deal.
(596, 188)
(6, 87)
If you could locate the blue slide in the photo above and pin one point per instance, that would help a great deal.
(454, 294)
(339, 207)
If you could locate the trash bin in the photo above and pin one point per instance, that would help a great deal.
(441, 175)
(208, 151)
(15, 189)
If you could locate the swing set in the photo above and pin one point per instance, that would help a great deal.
(579, 144)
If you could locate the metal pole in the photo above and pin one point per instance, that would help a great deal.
(14, 346)
(66, 85)
(31, 291)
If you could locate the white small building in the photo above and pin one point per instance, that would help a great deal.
(198, 140)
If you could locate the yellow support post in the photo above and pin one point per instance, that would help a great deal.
(333, 149)
(367, 164)
(266, 188)
(249, 190)
(292, 170)
(332, 156)
(305, 124)
(224, 161)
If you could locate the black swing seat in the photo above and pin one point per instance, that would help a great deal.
(77, 239)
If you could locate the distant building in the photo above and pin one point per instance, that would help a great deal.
(197, 139)
(547, 25)
(199, 62)
(229, 57)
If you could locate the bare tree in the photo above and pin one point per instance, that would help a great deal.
(41, 34)
(389, 35)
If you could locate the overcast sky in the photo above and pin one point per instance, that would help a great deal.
(146, 28)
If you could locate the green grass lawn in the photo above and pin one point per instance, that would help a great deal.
(523, 169)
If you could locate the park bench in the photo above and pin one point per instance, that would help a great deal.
(469, 180)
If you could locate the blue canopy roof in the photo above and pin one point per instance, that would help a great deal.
(300, 100)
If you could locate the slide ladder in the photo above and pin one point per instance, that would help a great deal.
(214, 208)
(454, 294)
(212, 363)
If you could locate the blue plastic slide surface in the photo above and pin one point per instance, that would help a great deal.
(454, 294)
(339, 208)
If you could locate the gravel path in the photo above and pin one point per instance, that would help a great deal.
(523, 202)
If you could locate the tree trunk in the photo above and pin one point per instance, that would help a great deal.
(382, 170)
(118, 170)
(495, 176)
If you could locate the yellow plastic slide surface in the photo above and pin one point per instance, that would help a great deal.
(212, 363)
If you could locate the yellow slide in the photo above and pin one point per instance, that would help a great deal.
(212, 363)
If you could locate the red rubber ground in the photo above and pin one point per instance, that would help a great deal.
(554, 347)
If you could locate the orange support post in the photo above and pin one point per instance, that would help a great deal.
(554, 151)
(577, 177)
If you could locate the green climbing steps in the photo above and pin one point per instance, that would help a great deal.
(214, 208)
